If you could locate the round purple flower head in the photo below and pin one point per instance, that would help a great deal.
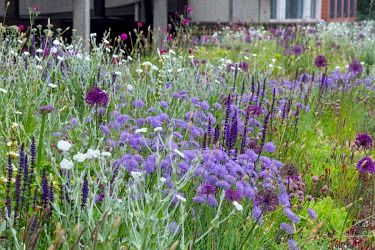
(363, 141)
(46, 109)
(138, 104)
(233, 195)
(267, 200)
(97, 96)
(366, 165)
(321, 61)
(297, 50)
(243, 66)
(355, 66)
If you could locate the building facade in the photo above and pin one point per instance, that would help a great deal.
(339, 10)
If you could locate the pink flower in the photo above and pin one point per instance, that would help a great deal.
(123, 37)
(36, 7)
(188, 9)
(185, 21)
(170, 38)
(139, 24)
(21, 27)
(163, 51)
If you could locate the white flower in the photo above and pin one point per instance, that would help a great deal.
(106, 154)
(39, 67)
(63, 145)
(92, 153)
(26, 53)
(39, 50)
(66, 164)
(157, 129)
(135, 174)
(139, 71)
(141, 130)
(3, 90)
(56, 42)
(51, 85)
(79, 157)
(237, 205)
(179, 152)
(162, 179)
(53, 50)
(130, 58)
(181, 198)
(118, 73)
(60, 58)
(130, 87)
(93, 35)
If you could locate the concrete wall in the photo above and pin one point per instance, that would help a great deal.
(245, 10)
(210, 11)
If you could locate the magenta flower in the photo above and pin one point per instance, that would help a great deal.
(123, 37)
(170, 38)
(321, 61)
(188, 9)
(21, 27)
(97, 96)
(139, 24)
(185, 21)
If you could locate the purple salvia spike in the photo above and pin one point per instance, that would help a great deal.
(85, 192)
(227, 117)
(204, 143)
(25, 187)
(233, 132)
(258, 91)
(262, 94)
(45, 189)
(264, 131)
(244, 135)
(209, 132)
(216, 134)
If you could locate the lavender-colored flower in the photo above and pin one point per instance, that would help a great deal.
(97, 96)
(254, 110)
(287, 228)
(173, 228)
(363, 141)
(46, 109)
(292, 245)
(366, 165)
(206, 189)
(138, 104)
(321, 61)
(216, 134)
(355, 66)
(269, 147)
(312, 213)
(233, 195)
(292, 216)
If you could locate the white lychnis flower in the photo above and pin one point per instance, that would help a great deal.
(66, 164)
(237, 205)
(92, 153)
(64, 145)
(141, 130)
(79, 157)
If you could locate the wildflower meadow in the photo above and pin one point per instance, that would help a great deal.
(227, 137)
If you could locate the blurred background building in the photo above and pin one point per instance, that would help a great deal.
(122, 15)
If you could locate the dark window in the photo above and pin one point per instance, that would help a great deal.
(294, 9)
(352, 7)
(313, 9)
(345, 8)
(339, 8)
(273, 9)
(332, 9)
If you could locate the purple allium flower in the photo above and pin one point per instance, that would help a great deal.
(84, 192)
(363, 141)
(287, 228)
(233, 195)
(312, 213)
(97, 96)
(366, 165)
(297, 50)
(292, 245)
(267, 200)
(321, 61)
(46, 109)
(206, 189)
(355, 66)
(138, 104)
(244, 66)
